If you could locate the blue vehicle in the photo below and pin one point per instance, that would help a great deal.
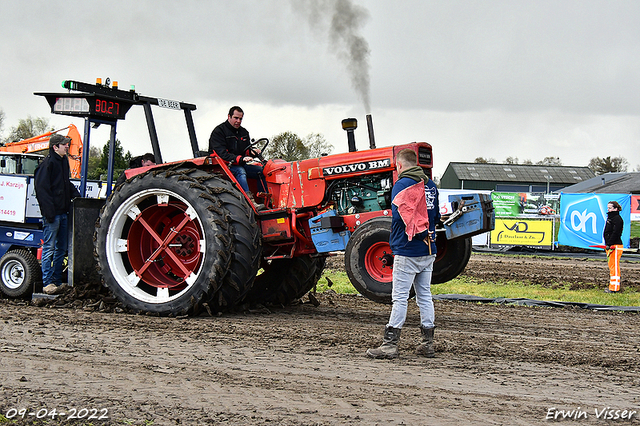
(21, 232)
(20, 225)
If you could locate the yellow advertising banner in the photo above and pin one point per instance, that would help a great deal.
(523, 232)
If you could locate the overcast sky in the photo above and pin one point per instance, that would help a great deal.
(493, 79)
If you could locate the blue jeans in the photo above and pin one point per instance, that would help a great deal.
(241, 173)
(416, 272)
(54, 249)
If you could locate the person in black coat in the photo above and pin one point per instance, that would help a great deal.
(54, 192)
(613, 244)
(232, 143)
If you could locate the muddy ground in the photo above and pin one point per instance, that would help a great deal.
(581, 272)
(305, 364)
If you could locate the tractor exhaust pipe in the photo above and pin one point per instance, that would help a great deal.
(349, 125)
(372, 138)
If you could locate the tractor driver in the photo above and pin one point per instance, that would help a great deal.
(231, 142)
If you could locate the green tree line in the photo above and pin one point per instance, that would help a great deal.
(290, 147)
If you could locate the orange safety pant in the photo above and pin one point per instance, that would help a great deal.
(613, 256)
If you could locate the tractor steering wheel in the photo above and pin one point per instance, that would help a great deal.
(254, 143)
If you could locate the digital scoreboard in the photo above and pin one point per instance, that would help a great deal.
(90, 106)
(96, 101)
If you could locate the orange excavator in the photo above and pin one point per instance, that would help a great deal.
(40, 145)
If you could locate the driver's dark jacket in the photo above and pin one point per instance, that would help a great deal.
(229, 143)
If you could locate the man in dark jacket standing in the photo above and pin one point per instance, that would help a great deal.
(231, 142)
(613, 241)
(415, 211)
(54, 192)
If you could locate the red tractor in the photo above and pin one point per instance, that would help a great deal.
(178, 235)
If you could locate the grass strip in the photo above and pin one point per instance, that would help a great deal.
(559, 292)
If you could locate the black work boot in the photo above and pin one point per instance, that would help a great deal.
(389, 347)
(425, 348)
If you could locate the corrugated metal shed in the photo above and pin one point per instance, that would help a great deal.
(521, 173)
(608, 183)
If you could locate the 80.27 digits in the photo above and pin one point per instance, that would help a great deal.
(71, 413)
(107, 107)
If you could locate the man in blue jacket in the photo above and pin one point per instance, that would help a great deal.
(415, 212)
(54, 192)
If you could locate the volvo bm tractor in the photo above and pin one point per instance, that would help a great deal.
(179, 235)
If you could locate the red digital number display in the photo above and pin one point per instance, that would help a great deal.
(109, 108)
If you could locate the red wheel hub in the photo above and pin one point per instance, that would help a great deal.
(164, 245)
(378, 261)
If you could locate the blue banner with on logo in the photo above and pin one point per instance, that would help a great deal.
(583, 216)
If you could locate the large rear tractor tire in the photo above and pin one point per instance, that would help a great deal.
(285, 280)
(247, 242)
(162, 242)
(451, 259)
(368, 260)
(19, 271)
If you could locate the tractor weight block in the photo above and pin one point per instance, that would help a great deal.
(82, 264)
(328, 233)
(477, 216)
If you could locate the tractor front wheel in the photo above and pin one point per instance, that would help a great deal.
(368, 260)
(451, 259)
